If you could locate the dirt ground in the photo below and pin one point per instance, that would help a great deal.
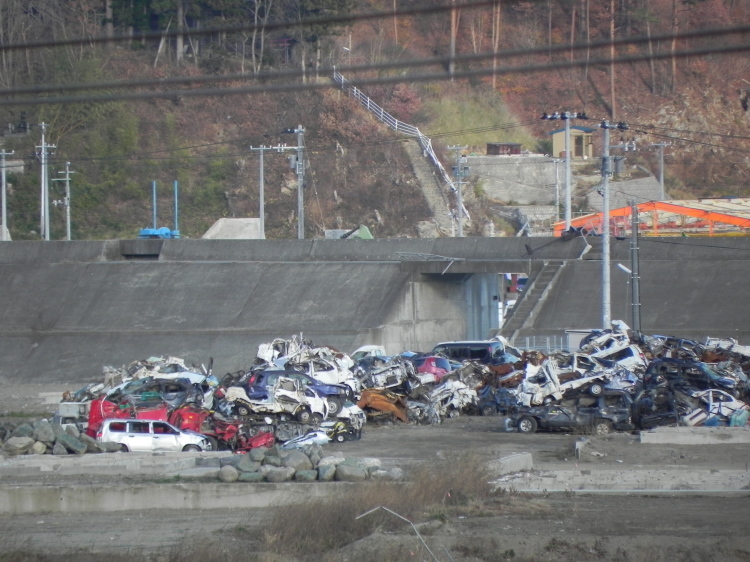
(559, 527)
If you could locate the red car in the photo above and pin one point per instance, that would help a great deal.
(437, 366)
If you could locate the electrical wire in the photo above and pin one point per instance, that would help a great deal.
(434, 61)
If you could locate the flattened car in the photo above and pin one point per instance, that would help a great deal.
(601, 416)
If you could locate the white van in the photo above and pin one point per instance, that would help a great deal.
(147, 436)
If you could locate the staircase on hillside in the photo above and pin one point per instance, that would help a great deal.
(531, 299)
(431, 188)
(433, 191)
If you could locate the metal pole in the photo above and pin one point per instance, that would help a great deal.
(300, 183)
(459, 174)
(568, 196)
(661, 172)
(606, 312)
(176, 210)
(4, 200)
(153, 202)
(262, 210)
(634, 267)
(67, 201)
(555, 161)
(42, 204)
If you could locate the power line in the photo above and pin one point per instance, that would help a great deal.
(395, 65)
(358, 82)
(267, 27)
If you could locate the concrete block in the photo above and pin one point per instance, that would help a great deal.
(696, 435)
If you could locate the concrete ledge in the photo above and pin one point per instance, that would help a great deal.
(78, 499)
(511, 464)
(696, 435)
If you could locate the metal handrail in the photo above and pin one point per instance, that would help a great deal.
(398, 126)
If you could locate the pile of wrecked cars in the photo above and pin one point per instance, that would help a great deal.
(297, 393)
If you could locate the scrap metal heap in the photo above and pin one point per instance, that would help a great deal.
(296, 393)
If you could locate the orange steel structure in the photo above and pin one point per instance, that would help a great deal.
(703, 217)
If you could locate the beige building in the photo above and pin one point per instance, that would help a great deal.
(581, 142)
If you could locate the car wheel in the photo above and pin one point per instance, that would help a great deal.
(489, 410)
(602, 427)
(243, 410)
(304, 415)
(340, 438)
(334, 406)
(316, 420)
(124, 448)
(191, 449)
(527, 425)
(596, 389)
(453, 413)
(213, 442)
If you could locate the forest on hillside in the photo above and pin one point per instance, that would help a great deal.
(136, 91)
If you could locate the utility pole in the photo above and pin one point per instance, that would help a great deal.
(66, 202)
(660, 146)
(460, 171)
(606, 171)
(566, 116)
(44, 214)
(261, 178)
(298, 164)
(635, 268)
(3, 154)
(556, 161)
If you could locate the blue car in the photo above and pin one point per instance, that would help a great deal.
(336, 395)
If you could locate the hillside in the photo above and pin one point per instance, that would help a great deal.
(358, 171)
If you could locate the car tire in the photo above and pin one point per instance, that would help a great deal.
(527, 424)
(489, 410)
(304, 415)
(124, 448)
(602, 427)
(191, 449)
(316, 420)
(334, 406)
(453, 413)
(213, 442)
(596, 389)
(243, 411)
(339, 438)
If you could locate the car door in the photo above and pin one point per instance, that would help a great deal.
(138, 436)
(164, 437)
(559, 418)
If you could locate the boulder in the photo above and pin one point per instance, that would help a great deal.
(397, 473)
(110, 447)
(257, 454)
(43, 432)
(272, 460)
(38, 448)
(18, 445)
(349, 473)
(298, 461)
(57, 429)
(229, 461)
(59, 449)
(280, 474)
(250, 477)
(72, 431)
(332, 460)
(23, 430)
(380, 474)
(91, 445)
(246, 464)
(306, 475)
(72, 444)
(327, 472)
(228, 474)
(369, 463)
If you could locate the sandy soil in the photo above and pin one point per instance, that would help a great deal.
(528, 527)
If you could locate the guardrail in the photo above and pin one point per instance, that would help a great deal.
(399, 126)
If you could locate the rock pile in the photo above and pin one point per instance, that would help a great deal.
(43, 437)
(307, 464)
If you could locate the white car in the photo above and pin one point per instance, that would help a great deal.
(147, 436)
